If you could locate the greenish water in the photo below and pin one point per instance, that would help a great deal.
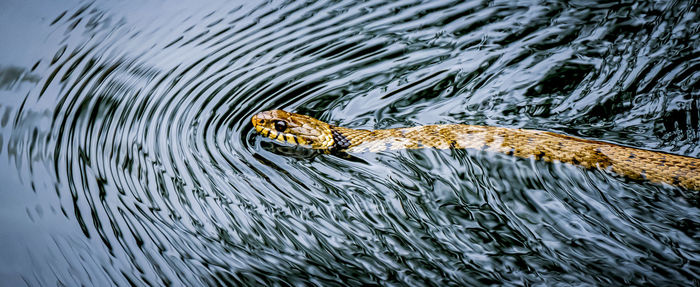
(127, 156)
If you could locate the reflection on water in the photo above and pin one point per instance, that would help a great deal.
(127, 155)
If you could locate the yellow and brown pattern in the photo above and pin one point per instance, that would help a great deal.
(626, 161)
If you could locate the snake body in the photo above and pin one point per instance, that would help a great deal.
(634, 163)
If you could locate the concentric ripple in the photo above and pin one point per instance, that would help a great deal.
(129, 135)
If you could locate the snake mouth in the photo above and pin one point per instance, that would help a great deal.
(279, 136)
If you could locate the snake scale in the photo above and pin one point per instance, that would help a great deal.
(634, 163)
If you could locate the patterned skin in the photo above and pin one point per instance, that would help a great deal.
(626, 161)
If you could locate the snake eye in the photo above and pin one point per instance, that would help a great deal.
(280, 126)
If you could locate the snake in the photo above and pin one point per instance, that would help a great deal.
(633, 163)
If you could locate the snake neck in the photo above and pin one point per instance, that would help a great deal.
(345, 138)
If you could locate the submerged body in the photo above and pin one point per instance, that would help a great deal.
(626, 161)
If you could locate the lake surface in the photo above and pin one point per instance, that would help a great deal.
(127, 155)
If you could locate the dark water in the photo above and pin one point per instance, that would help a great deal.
(127, 154)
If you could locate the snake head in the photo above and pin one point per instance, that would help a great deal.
(294, 129)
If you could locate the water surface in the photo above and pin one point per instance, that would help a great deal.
(127, 155)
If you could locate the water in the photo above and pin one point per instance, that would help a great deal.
(127, 154)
